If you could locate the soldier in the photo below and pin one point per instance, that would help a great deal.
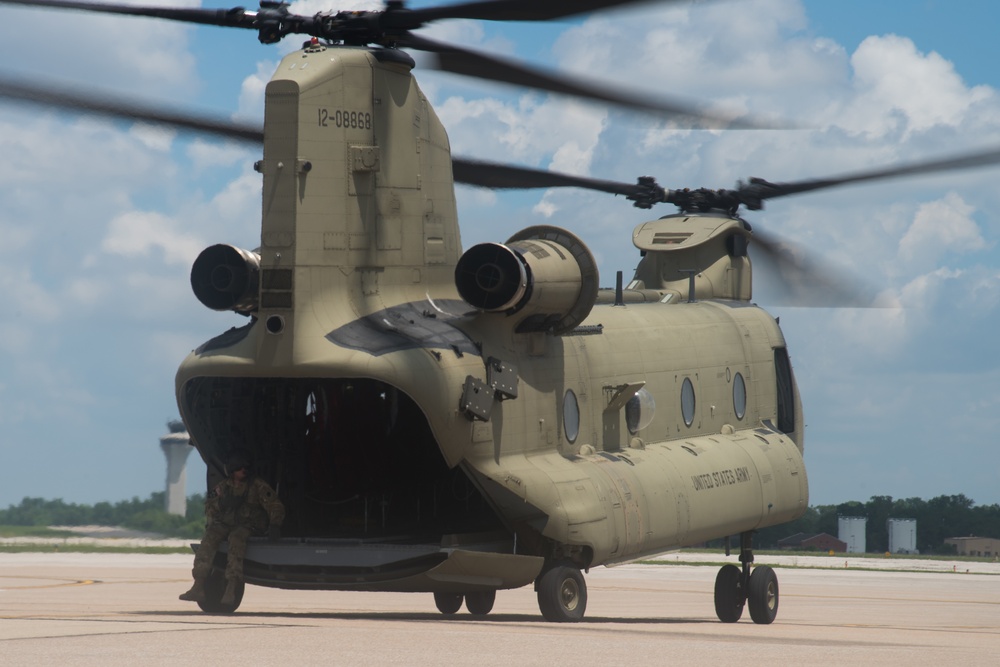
(241, 505)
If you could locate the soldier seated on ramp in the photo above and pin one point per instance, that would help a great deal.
(241, 505)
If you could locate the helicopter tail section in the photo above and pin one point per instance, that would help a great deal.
(333, 194)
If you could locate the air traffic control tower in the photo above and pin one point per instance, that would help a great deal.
(176, 446)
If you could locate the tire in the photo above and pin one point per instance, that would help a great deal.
(480, 603)
(215, 588)
(562, 594)
(448, 603)
(729, 596)
(763, 595)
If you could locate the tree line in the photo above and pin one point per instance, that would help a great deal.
(146, 515)
(937, 519)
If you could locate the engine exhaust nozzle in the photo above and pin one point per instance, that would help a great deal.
(543, 276)
(491, 277)
(225, 277)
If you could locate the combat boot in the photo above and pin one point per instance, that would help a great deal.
(196, 593)
(229, 597)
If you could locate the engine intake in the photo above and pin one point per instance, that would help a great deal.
(545, 275)
(225, 277)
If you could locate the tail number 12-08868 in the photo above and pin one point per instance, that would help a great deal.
(355, 120)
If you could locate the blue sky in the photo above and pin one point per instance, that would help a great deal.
(100, 221)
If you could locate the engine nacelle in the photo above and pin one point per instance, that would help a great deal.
(225, 277)
(544, 275)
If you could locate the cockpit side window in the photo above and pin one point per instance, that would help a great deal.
(786, 395)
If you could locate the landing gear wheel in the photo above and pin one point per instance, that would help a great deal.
(480, 603)
(448, 603)
(763, 595)
(729, 596)
(562, 594)
(215, 588)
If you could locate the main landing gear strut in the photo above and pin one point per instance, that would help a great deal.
(736, 586)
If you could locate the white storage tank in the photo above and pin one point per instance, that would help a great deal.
(902, 536)
(851, 531)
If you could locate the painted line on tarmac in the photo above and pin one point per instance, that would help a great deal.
(62, 584)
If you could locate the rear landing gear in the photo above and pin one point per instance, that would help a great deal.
(479, 603)
(735, 586)
(562, 593)
(448, 603)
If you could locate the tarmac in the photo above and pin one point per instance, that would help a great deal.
(119, 609)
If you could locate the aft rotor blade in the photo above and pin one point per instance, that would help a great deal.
(236, 17)
(513, 10)
(391, 19)
(509, 177)
(106, 105)
(457, 60)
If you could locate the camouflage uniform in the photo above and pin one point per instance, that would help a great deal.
(234, 512)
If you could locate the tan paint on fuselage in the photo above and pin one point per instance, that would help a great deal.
(646, 500)
(362, 218)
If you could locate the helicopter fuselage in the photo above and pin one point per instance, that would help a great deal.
(420, 442)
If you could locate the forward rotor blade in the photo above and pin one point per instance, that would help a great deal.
(457, 60)
(236, 17)
(763, 190)
(106, 105)
(794, 277)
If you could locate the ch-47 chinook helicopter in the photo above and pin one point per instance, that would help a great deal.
(462, 423)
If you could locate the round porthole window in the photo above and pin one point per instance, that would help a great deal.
(739, 396)
(571, 416)
(687, 402)
(639, 411)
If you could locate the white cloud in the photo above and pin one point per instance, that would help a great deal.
(143, 58)
(137, 233)
(939, 227)
(87, 292)
(900, 90)
(207, 155)
(527, 131)
(545, 208)
(155, 137)
(65, 399)
(251, 103)
(713, 51)
(983, 289)
(925, 289)
(25, 298)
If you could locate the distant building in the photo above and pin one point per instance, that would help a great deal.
(985, 547)
(820, 542)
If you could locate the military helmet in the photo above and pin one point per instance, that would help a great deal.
(235, 461)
